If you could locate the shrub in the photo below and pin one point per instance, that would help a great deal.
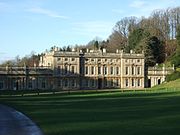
(175, 75)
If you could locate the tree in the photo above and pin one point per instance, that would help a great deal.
(96, 45)
(176, 58)
(154, 51)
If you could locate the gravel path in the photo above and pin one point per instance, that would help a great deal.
(13, 122)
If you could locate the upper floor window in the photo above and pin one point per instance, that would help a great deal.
(132, 69)
(72, 69)
(92, 70)
(138, 70)
(99, 70)
(65, 69)
(66, 59)
(86, 70)
(126, 70)
(138, 60)
(117, 70)
(58, 59)
(112, 71)
(105, 70)
(73, 59)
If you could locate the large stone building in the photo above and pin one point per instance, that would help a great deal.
(93, 69)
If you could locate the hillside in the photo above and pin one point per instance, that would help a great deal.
(169, 85)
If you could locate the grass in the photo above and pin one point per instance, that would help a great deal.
(103, 113)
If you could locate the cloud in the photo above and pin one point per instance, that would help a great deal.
(47, 12)
(93, 28)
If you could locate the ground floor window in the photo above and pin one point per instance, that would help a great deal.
(73, 83)
(112, 82)
(132, 82)
(43, 84)
(117, 82)
(1, 84)
(66, 82)
(30, 84)
(127, 82)
(139, 82)
(59, 83)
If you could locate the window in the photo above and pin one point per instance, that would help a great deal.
(105, 60)
(73, 83)
(138, 70)
(117, 82)
(99, 60)
(99, 70)
(66, 59)
(73, 59)
(132, 70)
(59, 83)
(112, 70)
(65, 69)
(58, 70)
(132, 82)
(112, 82)
(138, 60)
(92, 70)
(66, 82)
(86, 70)
(58, 59)
(87, 83)
(30, 84)
(126, 70)
(43, 84)
(105, 70)
(139, 82)
(127, 83)
(117, 70)
(105, 82)
(72, 69)
(92, 83)
(92, 60)
(1, 85)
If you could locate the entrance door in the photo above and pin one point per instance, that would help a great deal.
(149, 82)
(159, 81)
(100, 83)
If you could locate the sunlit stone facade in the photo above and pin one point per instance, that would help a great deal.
(92, 69)
(95, 69)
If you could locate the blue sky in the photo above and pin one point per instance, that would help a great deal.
(36, 25)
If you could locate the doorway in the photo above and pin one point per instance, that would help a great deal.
(99, 83)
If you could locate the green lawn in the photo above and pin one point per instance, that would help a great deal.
(103, 113)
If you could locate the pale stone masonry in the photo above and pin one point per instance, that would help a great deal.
(93, 69)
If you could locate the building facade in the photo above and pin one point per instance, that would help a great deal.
(93, 69)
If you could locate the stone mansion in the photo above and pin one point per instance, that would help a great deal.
(93, 69)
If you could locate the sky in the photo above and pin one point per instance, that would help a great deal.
(37, 25)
